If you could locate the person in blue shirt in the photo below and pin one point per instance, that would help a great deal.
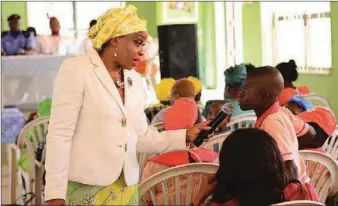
(15, 42)
(234, 86)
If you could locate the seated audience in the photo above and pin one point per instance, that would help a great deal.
(263, 87)
(182, 115)
(86, 44)
(252, 172)
(15, 42)
(290, 75)
(163, 90)
(181, 88)
(234, 85)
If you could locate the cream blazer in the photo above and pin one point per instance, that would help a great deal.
(92, 135)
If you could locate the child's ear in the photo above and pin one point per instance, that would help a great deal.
(266, 96)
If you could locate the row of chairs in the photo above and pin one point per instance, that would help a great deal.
(32, 134)
(324, 177)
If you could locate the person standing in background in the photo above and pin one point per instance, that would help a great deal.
(87, 43)
(15, 42)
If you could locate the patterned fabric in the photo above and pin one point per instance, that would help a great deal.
(182, 115)
(235, 76)
(12, 121)
(117, 193)
(116, 22)
(151, 112)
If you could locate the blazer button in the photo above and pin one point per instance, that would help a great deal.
(124, 122)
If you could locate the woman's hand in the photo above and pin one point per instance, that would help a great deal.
(193, 132)
(56, 202)
(207, 187)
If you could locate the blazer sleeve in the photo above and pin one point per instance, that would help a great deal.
(149, 140)
(66, 105)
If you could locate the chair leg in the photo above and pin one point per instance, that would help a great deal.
(38, 183)
(13, 175)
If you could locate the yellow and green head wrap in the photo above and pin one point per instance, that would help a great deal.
(163, 89)
(197, 84)
(116, 22)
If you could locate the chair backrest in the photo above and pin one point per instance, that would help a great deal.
(317, 100)
(142, 159)
(323, 172)
(242, 121)
(159, 126)
(331, 145)
(299, 203)
(163, 177)
(34, 131)
(215, 143)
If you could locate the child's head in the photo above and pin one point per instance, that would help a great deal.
(289, 72)
(182, 88)
(234, 80)
(198, 88)
(262, 87)
(163, 90)
(298, 104)
(214, 108)
(322, 119)
(182, 115)
(251, 169)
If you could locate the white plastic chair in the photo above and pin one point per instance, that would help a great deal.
(159, 126)
(331, 145)
(323, 172)
(215, 143)
(317, 100)
(299, 203)
(242, 121)
(175, 172)
(36, 129)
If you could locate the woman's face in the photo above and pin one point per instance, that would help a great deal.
(130, 49)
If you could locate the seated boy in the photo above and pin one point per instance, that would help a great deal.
(262, 89)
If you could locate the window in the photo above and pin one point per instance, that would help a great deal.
(71, 25)
(87, 11)
(38, 13)
(302, 31)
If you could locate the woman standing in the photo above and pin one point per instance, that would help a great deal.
(97, 121)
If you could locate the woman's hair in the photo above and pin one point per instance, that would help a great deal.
(288, 70)
(251, 169)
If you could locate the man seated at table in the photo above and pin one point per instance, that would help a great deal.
(15, 42)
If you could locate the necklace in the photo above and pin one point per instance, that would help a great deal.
(119, 84)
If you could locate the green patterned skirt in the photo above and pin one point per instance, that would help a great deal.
(117, 193)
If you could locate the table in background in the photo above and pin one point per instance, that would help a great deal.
(28, 79)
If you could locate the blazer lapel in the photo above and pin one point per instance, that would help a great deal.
(104, 77)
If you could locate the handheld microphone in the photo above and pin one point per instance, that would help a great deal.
(226, 110)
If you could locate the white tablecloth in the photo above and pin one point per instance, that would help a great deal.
(28, 79)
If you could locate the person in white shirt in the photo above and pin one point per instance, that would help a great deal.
(97, 122)
(56, 43)
(86, 44)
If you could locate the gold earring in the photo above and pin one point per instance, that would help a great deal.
(115, 54)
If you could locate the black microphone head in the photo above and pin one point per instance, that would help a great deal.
(228, 108)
